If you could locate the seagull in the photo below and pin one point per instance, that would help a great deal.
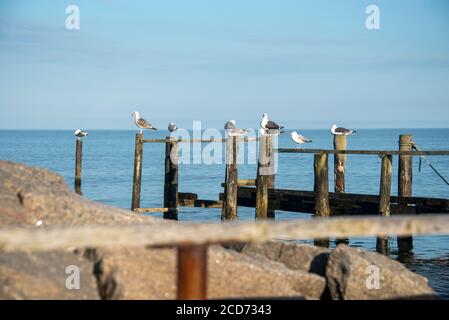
(270, 127)
(230, 125)
(340, 131)
(141, 123)
(232, 130)
(80, 133)
(299, 139)
(172, 127)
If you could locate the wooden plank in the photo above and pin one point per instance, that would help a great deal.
(149, 210)
(382, 243)
(265, 177)
(405, 179)
(240, 139)
(187, 196)
(321, 191)
(347, 203)
(171, 180)
(366, 152)
(176, 234)
(340, 143)
(137, 179)
(200, 203)
(229, 208)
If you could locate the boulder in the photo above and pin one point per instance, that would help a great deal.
(33, 196)
(295, 256)
(43, 275)
(354, 273)
(151, 274)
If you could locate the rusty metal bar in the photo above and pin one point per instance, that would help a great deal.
(192, 272)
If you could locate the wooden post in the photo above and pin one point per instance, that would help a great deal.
(78, 165)
(229, 208)
(192, 272)
(137, 181)
(340, 143)
(382, 244)
(405, 178)
(171, 199)
(265, 178)
(321, 189)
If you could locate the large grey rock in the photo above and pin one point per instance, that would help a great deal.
(352, 274)
(151, 274)
(27, 275)
(31, 196)
(295, 256)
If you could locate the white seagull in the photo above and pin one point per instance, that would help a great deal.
(299, 139)
(141, 123)
(270, 127)
(172, 127)
(80, 133)
(340, 131)
(232, 130)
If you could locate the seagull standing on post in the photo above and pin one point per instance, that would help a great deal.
(141, 123)
(340, 131)
(270, 127)
(299, 139)
(80, 133)
(232, 130)
(172, 127)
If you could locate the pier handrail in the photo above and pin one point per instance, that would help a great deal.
(242, 139)
(187, 234)
(366, 152)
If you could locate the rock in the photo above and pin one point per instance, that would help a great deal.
(295, 256)
(26, 275)
(32, 196)
(351, 274)
(151, 274)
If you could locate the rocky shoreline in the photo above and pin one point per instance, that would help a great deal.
(36, 197)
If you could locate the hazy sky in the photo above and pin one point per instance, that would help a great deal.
(307, 63)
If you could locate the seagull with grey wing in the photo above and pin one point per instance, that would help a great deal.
(299, 139)
(141, 123)
(340, 131)
(232, 130)
(80, 133)
(172, 127)
(270, 127)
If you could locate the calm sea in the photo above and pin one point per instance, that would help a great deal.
(108, 170)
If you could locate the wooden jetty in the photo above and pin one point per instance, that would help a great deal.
(261, 194)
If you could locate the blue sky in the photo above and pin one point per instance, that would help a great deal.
(307, 63)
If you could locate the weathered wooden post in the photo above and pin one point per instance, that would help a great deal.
(78, 165)
(405, 178)
(229, 208)
(192, 272)
(340, 143)
(265, 178)
(382, 244)
(171, 199)
(321, 189)
(137, 181)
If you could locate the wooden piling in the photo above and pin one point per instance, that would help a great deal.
(340, 143)
(321, 189)
(405, 178)
(78, 164)
(382, 244)
(171, 196)
(137, 180)
(265, 178)
(192, 272)
(229, 208)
